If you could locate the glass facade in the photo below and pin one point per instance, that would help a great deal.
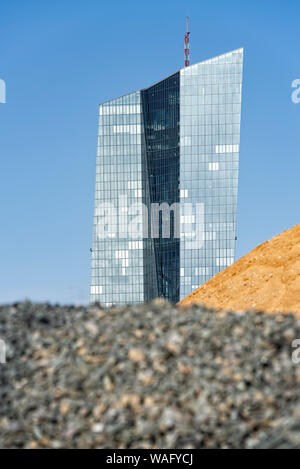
(162, 126)
(117, 250)
(210, 114)
(170, 151)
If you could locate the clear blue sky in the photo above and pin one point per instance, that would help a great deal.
(60, 58)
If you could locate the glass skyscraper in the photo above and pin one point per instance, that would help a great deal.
(166, 184)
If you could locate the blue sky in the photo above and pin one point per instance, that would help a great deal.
(60, 58)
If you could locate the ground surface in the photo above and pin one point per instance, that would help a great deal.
(148, 376)
(267, 279)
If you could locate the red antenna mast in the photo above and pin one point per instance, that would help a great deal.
(187, 46)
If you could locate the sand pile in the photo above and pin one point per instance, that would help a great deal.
(266, 279)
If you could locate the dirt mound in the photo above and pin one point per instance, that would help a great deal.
(266, 279)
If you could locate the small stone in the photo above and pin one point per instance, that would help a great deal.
(32, 445)
(108, 384)
(98, 428)
(82, 351)
(99, 410)
(173, 348)
(148, 401)
(64, 407)
(136, 355)
(92, 328)
(185, 369)
(131, 400)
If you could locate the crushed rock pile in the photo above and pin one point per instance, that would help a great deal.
(147, 376)
(267, 279)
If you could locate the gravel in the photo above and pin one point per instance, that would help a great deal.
(147, 376)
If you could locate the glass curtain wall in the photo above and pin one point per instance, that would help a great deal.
(210, 113)
(117, 251)
(161, 119)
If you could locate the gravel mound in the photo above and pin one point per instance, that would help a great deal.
(147, 376)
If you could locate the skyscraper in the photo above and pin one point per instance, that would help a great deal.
(166, 184)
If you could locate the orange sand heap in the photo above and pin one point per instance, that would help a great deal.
(267, 279)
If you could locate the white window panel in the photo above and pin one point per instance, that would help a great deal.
(122, 254)
(202, 271)
(96, 290)
(187, 219)
(186, 141)
(227, 148)
(213, 166)
(184, 194)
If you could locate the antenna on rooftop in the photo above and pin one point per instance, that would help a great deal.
(187, 46)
